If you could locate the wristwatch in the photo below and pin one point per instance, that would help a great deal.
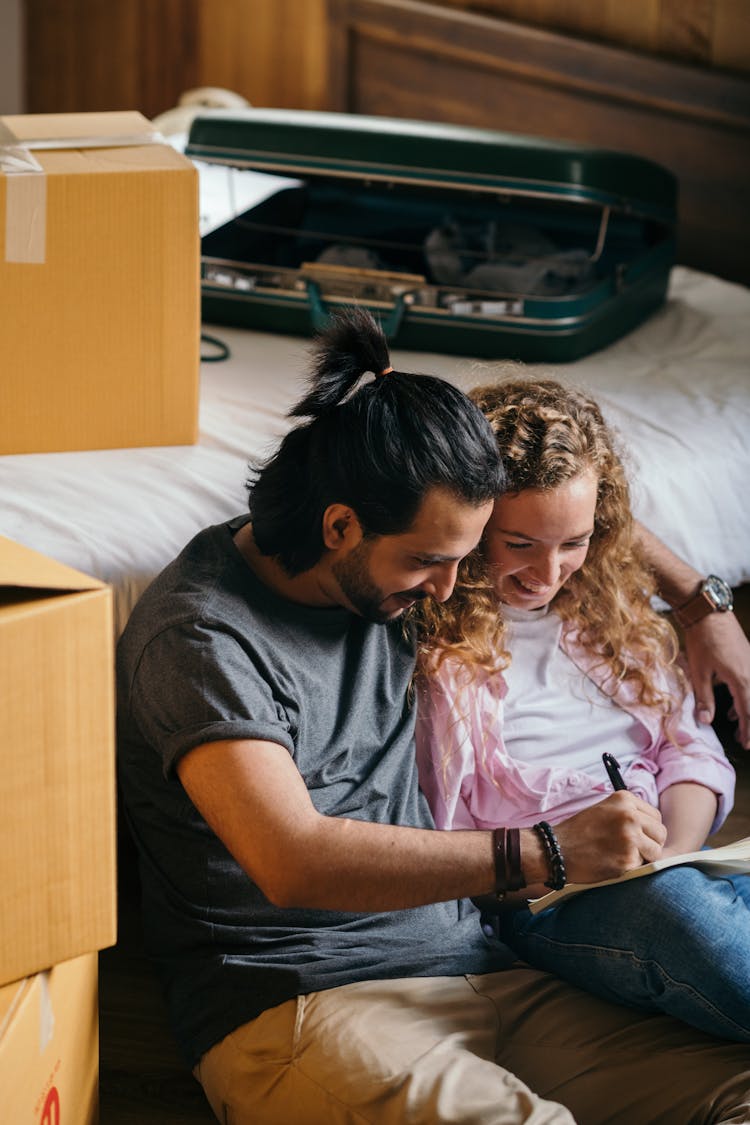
(714, 595)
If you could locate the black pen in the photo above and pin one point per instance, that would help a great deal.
(613, 771)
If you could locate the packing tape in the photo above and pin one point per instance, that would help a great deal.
(46, 1012)
(16, 158)
(26, 218)
(14, 154)
(26, 186)
(25, 201)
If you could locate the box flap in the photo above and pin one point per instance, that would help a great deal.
(27, 569)
(69, 127)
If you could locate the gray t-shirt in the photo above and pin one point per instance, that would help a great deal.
(211, 653)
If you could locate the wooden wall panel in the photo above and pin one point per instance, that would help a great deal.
(142, 54)
(708, 32)
(731, 36)
(404, 58)
(273, 52)
(85, 55)
(440, 62)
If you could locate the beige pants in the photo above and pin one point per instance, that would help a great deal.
(471, 1050)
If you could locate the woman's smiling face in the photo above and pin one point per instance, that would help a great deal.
(535, 539)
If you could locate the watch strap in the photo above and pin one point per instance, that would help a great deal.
(693, 610)
(700, 605)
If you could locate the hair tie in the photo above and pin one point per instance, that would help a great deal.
(385, 371)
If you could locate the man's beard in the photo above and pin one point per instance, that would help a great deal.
(353, 576)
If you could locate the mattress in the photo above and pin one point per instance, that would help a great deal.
(677, 389)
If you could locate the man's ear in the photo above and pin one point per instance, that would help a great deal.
(341, 528)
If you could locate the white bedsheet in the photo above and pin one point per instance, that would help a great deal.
(678, 390)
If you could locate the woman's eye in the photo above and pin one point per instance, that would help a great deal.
(518, 546)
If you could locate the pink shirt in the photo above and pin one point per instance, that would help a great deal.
(471, 781)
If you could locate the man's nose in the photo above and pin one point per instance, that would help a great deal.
(441, 582)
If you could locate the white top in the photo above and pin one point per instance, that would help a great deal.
(552, 712)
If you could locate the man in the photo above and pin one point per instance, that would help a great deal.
(320, 957)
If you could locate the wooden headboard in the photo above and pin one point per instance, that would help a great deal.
(405, 58)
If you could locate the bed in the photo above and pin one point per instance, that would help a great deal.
(677, 389)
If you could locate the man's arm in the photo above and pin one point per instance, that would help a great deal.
(253, 797)
(716, 647)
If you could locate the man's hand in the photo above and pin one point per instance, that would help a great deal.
(716, 647)
(718, 650)
(610, 838)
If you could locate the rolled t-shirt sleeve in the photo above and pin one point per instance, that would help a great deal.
(194, 685)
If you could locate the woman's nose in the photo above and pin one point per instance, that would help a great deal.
(546, 568)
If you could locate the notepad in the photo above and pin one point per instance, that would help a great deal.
(729, 859)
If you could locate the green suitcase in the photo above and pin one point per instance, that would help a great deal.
(458, 240)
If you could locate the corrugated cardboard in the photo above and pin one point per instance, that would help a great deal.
(57, 796)
(99, 285)
(49, 1046)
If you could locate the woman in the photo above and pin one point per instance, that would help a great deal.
(550, 653)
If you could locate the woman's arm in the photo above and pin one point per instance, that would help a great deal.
(688, 811)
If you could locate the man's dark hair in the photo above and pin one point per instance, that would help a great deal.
(378, 448)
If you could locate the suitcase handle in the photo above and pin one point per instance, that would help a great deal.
(319, 312)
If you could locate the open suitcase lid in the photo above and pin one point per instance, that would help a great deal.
(306, 144)
(457, 239)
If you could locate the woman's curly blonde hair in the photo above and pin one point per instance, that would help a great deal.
(548, 434)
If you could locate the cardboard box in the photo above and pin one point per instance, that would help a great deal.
(99, 285)
(49, 1046)
(57, 764)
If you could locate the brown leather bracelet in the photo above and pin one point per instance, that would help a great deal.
(513, 859)
(506, 849)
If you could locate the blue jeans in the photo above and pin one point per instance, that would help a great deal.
(675, 942)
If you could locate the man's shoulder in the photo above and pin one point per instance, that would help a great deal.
(197, 584)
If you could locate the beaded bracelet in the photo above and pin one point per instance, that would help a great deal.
(554, 855)
(506, 849)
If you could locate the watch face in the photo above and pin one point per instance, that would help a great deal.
(718, 592)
